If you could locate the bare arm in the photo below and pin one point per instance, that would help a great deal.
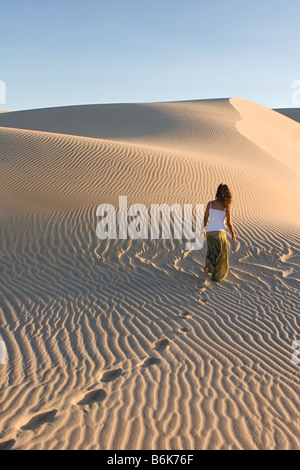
(229, 223)
(206, 216)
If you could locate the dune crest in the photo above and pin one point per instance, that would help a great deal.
(278, 136)
(123, 344)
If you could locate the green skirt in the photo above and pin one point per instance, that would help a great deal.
(217, 255)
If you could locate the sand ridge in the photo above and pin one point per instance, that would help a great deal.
(123, 344)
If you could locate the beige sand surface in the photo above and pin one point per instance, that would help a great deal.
(123, 344)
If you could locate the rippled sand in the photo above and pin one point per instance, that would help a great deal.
(123, 344)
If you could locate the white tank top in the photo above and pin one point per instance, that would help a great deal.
(216, 220)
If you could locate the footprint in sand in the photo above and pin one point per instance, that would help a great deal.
(38, 420)
(7, 445)
(96, 396)
(184, 329)
(162, 344)
(151, 361)
(110, 375)
(185, 314)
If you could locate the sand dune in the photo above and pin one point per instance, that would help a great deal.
(292, 113)
(123, 344)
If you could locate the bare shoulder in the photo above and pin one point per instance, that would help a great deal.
(228, 211)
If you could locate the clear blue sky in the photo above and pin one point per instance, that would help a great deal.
(69, 52)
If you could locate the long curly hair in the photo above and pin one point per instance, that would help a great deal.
(224, 195)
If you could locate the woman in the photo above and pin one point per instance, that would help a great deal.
(217, 253)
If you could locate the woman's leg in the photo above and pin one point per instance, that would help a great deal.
(221, 259)
(216, 256)
(210, 258)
